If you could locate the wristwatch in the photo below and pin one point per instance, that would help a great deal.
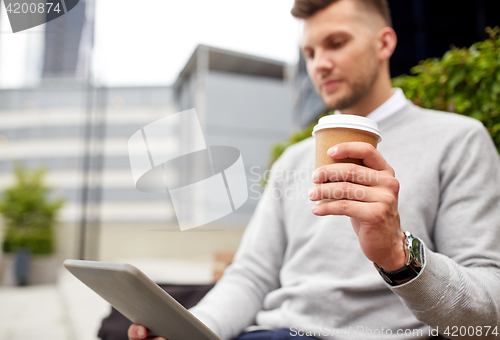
(415, 260)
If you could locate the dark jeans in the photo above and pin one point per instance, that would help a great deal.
(282, 334)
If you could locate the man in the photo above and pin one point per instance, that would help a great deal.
(435, 174)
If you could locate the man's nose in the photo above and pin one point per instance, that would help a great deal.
(322, 62)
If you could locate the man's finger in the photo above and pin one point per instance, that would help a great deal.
(346, 172)
(364, 211)
(346, 190)
(360, 150)
(137, 332)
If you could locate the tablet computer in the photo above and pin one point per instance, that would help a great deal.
(139, 299)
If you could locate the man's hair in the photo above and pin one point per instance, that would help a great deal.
(303, 9)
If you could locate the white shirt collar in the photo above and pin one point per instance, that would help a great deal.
(390, 106)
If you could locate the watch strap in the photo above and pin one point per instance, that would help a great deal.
(414, 265)
(407, 272)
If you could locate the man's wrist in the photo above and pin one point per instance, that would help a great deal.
(398, 258)
(414, 262)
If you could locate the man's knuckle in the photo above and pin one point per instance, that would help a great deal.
(394, 184)
(352, 168)
(391, 171)
(379, 214)
(369, 148)
(391, 183)
(343, 206)
(346, 187)
(388, 198)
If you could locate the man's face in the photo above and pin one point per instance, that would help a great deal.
(340, 49)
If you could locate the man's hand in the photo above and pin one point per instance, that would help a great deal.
(369, 195)
(138, 332)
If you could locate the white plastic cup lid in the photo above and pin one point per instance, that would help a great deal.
(349, 122)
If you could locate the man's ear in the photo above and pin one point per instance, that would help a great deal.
(387, 41)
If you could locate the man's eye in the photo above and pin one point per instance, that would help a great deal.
(337, 44)
(308, 54)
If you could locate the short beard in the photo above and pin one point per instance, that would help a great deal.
(359, 90)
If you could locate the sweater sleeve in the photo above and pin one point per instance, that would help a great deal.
(236, 298)
(459, 284)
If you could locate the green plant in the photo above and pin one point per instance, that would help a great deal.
(29, 216)
(464, 80)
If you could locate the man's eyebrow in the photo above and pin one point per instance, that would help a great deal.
(303, 48)
(325, 39)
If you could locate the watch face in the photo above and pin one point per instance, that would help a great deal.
(417, 252)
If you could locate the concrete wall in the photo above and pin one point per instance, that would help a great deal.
(119, 242)
(251, 114)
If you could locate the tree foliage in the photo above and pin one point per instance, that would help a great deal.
(28, 214)
(464, 80)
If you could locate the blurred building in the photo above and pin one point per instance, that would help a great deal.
(241, 100)
(58, 49)
(68, 41)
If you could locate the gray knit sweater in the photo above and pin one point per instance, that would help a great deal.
(307, 273)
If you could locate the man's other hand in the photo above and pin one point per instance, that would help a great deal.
(138, 332)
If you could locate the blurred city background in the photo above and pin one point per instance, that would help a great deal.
(74, 90)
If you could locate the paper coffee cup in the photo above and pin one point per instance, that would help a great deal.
(335, 129)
